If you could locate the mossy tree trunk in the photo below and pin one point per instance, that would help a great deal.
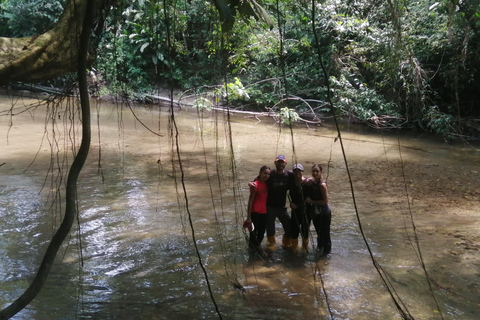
(75, 58)
(51, 54)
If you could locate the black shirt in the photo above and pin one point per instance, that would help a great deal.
(278, 185)
(296, 193)
(313, 190)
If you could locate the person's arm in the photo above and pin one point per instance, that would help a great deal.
(307, 191)
(325, 193)
(250, 201)
(308, 181)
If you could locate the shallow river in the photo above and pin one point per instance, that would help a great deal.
(159, 232)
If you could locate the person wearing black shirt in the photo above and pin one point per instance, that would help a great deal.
(279, 183)
(316, 198)
(299, 220)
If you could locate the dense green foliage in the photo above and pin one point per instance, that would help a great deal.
(22, 18)
(147, 44)
(388, 63)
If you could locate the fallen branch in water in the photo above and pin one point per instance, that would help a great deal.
(256, 114)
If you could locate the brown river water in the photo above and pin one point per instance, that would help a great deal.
(159, 232)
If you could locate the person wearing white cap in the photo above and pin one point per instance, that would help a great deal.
(299, 220)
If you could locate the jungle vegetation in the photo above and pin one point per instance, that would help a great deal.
(389, 64)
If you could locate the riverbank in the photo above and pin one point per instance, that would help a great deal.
(180, 99)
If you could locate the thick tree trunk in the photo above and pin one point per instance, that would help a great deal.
(49, 55)
(77, 165)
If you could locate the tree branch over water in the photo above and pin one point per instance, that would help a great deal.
(71, 188)
(51, 54)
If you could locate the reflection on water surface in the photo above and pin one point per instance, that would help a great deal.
(138, 259)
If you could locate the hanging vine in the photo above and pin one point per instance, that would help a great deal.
(71, 209)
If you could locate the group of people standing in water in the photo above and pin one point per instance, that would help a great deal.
(308, 199)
